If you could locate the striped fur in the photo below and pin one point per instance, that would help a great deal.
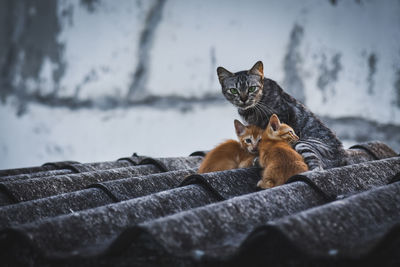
(318, 145)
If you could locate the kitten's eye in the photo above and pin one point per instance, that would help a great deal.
(252, 89)
(234, 91)
(248, 140)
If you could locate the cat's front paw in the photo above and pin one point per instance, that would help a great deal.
(265, 184)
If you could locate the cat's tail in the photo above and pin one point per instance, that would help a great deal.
(318, 155)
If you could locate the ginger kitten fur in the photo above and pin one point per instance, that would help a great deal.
(278, 159)
(233, 154)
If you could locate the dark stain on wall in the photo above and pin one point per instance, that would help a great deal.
(293, 82)
(397, 88)
(28, 37)
(333, 2)
(140, 76)
(328, 74)
(213, 65)
(372, 62)
(28, 31)
(90, 5)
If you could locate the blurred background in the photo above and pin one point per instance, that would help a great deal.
(96, 80)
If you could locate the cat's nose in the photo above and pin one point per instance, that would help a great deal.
(243, 98)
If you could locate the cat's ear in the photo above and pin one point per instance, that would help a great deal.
(257, 69)
(223, 73)
(274, 122)
(239, 127)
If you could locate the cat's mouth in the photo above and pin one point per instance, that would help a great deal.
(253, 151)
(246, 106)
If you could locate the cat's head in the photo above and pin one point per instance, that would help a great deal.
(249, 136)
(243, 89)
(279, 131)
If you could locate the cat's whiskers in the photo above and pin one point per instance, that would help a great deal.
(264, 112)
(267, 109)
(260, 112)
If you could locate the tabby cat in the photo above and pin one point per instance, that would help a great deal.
(257, 98)
(279, 160)
(233, 154)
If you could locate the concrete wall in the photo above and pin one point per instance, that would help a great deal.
(341, 58)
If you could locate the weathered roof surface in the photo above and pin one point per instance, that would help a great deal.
(141, 211)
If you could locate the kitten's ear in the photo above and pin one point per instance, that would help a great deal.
(257, 69)
(274, 122)
(239, 127)
(223, 73)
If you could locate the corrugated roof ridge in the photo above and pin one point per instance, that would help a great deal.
(381, 180)
(299, 251)
(82, 199)
(214, 184)
(47, 186)
(189, 191)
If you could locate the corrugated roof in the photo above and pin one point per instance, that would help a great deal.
(140, 211)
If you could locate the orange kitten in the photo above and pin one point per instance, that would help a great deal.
(233, 154)
(279, 160)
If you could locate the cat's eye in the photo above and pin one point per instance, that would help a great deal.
(248, 140)
(234, 91)
(252, 89)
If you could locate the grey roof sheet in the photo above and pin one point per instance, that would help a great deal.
(141, 211)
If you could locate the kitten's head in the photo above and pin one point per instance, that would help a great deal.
(249, 136)
(279, 131)
(243, 89)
